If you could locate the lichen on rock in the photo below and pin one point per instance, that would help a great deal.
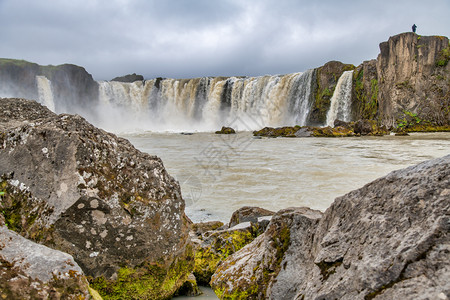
(89, 193)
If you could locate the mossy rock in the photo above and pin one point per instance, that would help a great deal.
(217, 247)
(286, 131)
(226, 130)
(147, 281)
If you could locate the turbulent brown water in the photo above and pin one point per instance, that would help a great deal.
(221, 173)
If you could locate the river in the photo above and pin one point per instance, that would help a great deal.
(221, 173)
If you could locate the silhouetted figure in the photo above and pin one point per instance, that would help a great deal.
(414, 27)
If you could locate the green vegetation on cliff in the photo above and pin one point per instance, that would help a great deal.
(444, 57)
(366, 103)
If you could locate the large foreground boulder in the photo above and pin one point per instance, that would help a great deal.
(32, 271)
(81, 190)
(387, 240)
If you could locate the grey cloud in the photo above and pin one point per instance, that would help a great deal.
(178, 38)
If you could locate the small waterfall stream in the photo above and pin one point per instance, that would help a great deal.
(340, 101)
(45, 92)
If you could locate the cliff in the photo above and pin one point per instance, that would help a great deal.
(407, 85)
(74, 89)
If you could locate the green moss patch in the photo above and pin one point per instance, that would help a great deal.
(225, 244)
(147, 281)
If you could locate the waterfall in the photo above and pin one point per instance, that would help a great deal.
(208, 103)
(45, 92)
(340, 101)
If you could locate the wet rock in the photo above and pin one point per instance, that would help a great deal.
(32, 271)
(387, 240)
(226, 130)
(81, 190)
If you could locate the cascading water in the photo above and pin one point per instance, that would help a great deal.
(45, 92)
(340, 101)
(206, 104)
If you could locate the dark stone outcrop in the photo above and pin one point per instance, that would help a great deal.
(81, 190)
(129, 78)
(32, 271)
(74, 89)
(387, 240)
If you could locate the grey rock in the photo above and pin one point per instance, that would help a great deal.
(303, 132)
(248, 214)
(387, 240)
(99, 199)
(129, 78)
(32, 271)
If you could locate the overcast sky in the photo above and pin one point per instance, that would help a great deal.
(194, 38)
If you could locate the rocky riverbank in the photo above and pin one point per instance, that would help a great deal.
(83, 210)
(387, 240)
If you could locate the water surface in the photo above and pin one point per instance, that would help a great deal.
(221, 173)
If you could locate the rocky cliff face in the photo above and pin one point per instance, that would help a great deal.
(408, 83)
(74, 89)
(84, 191)
(387, 240)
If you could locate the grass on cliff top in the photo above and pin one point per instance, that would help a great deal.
(18, 62)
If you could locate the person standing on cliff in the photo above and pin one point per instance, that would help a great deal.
(414, 27)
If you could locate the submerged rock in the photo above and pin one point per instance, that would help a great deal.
(81, 190)
(387, 240)
(32, 271)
